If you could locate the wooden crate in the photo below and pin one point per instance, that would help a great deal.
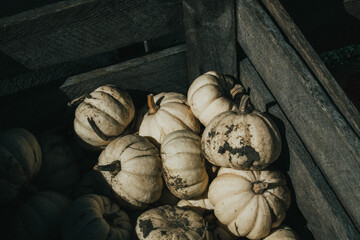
(64, 49)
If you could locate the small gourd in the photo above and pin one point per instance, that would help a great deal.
(250, 203)
(184, 164)
(103, 115)
(211, 94)
(39, 217)
(167, 113)
(241, 139)
(167, 222)
(131, 165)
(282, 233)
(95, 217)
(20, 161)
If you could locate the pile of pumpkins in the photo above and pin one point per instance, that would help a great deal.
(211, 148)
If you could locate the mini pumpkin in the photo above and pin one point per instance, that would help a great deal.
(184, 164)
(211, 94)
(282, 233)
(95, 217)
(167, 222)
(20, 161)
(103, 115)
(241, 139)
(39, 217)
(59, 171)
(131, 165)
(167, 113)
(250, 203)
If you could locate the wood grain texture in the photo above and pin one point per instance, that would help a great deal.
(69, 30)
(324, 214)
(314, 62)
(12, 7)
(210, 30)
(163, 71)
(330, 140)
(55, 73)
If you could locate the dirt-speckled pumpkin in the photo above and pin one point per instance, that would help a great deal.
(250, 203)
(39, 217)
(20, 161)
(282, 233)
(103, 115)
(95, 217)
(167, 113)
(184, 164)
(241, 139)
(167, 222)
(211, 94)
(131, 165)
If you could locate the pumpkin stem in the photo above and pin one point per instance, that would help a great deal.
(98, 132)
(113, 168)
(243, 106)
(260, 187)
(153, 108)
(237, 92)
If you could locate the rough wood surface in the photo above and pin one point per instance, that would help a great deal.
(324, 214)
(330, 140)
(11, 7)
(69, 30)
(314, 62)
(210, 30)
(157, 72)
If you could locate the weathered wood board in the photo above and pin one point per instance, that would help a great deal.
(324, 214)
(210, 29)
(156, 72)
(69, 30)
(332, 143)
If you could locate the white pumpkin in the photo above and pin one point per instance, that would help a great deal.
(241, 139)
(184, 164)
(95, 217)
(20, 161)
(250, 203)
(282, 233)
(167, 222)
(167, 113)
(211, 94)
(103, 115)
(131, 165)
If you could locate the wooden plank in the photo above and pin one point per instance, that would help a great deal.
(314, 62)
(210, 30)
(157, 72)
(331, 141)
(56, 72)
(69, 30)
(12, 7)
(324, 214)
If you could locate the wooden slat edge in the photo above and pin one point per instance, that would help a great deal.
(328, 137)
(143, 73)
(324, 214)
(313, 60)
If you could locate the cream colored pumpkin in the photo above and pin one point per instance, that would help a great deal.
(211, 94)
(39, 217)
(103, 115)
(241, 140)
(167, 113)
(215, 230)
(167, 222)
(131, 165)
(184, 164)
(95, 217)
(20, 161)
(250, 203)
(282, 233)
